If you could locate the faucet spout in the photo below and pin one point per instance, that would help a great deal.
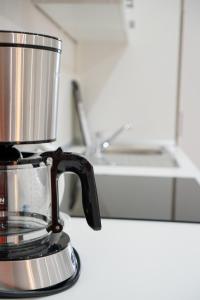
(107, 142)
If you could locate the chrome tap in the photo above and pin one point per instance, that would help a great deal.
(94, 145)
(103, 145)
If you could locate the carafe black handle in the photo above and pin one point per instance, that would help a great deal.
(69, 162)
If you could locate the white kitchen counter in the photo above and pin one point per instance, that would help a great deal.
(136, 260)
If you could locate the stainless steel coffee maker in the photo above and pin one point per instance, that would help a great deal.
(36, 256)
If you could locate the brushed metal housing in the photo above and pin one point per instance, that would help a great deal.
(31, 39)
(38, 273)
(29, 75)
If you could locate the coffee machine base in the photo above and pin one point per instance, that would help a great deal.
(40, 276)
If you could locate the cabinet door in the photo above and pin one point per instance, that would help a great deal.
(129, 197)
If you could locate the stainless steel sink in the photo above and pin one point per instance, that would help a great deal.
(133, 150)
(135, 156)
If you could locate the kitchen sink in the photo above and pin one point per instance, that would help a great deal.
(140, 156)
(105, 152)
(133, 150)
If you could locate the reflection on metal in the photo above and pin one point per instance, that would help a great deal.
(29, 76)
(38, 273)
(28, 39)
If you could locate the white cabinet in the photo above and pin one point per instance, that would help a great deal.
(90, 20)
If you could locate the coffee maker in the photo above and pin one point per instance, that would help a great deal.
(36, 256)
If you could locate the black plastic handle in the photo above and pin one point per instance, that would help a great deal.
(69, 162)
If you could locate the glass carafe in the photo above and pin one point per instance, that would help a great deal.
(25, 200)
(29, 207)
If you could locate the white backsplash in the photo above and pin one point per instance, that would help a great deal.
(135, 82)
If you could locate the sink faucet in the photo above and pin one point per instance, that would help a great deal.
(103, 145)
(93, 146)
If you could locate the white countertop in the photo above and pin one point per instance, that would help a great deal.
(136, 260)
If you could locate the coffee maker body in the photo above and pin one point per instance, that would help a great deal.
(36, 255)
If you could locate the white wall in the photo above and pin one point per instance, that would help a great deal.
(22, 15)
(190, 87)
(135, 82)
